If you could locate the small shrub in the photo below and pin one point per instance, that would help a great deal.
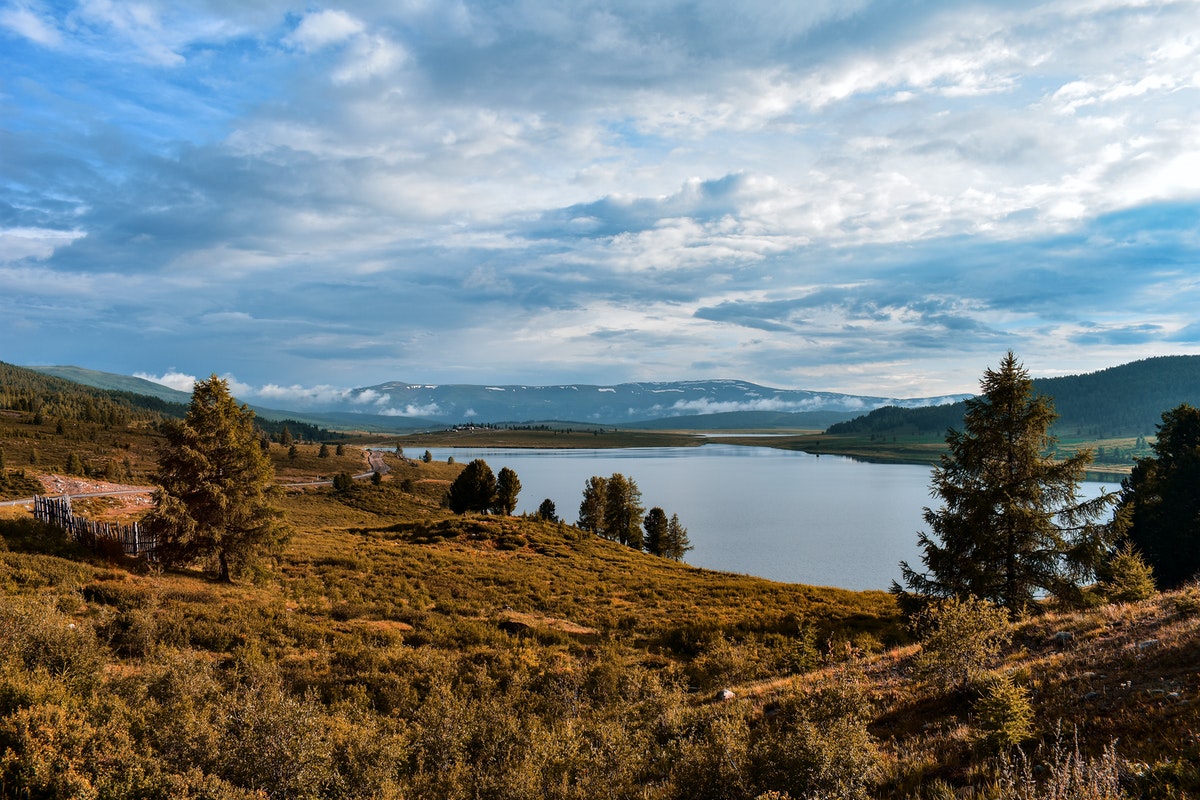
(1003, 713)
(1187, 602)
(962, 640)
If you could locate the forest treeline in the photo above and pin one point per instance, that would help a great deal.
(54, 398)
(1120, 401)
(51, 398)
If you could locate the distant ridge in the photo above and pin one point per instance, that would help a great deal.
(1126, 400)
(675, 403)
(116, 383)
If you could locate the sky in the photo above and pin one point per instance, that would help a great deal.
(863, 196)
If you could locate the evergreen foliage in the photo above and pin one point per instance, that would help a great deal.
(547, 512)
(1126, 577)
(1161, 499)
(508, 487)
(473, 490)
(623, 511)
(678, 542)
(656, 526)
(1003, 713)
(343, 482)
(323, 452)
(215, 485)
(591, 508)
(1010, 525)
(44, 395)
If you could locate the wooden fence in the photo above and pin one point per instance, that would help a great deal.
(90, 533)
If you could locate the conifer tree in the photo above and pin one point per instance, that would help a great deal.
(591, 508)
(1161, 499)
(215, 485)
(623, 511)
(678, 542)
(324, 451)
(656, 526)
(547, 512)
(473, 490)
(508, 486)
(1010, 525)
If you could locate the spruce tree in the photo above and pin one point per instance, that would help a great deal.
(215, 485)
(591, 508)
(473, 490)
(678, 543)
(623, 511)
(1011, 525)
(508, 487)
(656, 526)
(1161, 499)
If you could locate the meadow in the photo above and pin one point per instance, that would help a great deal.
(392, 649)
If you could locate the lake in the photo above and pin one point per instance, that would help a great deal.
(778, 514)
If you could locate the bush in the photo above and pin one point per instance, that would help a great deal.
(38, 636)
(962, 638)
(817, 744)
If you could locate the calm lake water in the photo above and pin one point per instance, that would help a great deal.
(778, 514)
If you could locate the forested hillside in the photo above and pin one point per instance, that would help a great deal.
(24, 389)
(1128, 400)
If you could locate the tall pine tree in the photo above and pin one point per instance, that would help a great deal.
(656, 526)
(1011, 525)
(623, 511)
(215, 485)
(591, 508)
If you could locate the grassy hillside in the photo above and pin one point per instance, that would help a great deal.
(120, 383)
(1116, 403)
(395, 650)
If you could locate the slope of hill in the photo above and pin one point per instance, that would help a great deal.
(1122, 401)
(23, 389)
(395, 650)
(271, 418)
(119, 383)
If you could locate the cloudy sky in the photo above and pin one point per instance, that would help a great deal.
(876, 197)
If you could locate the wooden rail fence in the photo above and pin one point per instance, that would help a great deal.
(90, 533)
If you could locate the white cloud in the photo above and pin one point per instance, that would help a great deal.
(320, 29)
(24, 22)
(411, 410)
(171, 379)
(38, 243)
(370, 57)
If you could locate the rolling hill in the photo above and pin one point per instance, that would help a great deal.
(1127, 400)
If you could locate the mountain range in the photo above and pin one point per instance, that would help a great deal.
(1126, 400)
